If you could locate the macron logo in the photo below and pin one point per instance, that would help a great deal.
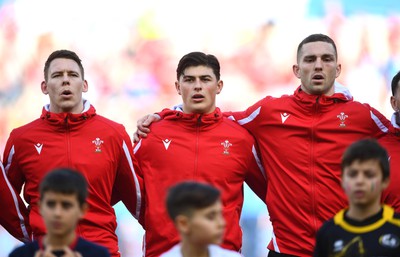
(166, 143)
(38, 147)
(284, 116)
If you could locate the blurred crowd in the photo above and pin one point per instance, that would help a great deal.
(130, 62)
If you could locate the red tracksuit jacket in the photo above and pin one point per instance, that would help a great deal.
(99, 148)
(208, 148)
(392, 144)
(302, 138)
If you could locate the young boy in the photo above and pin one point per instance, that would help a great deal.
(366, 228)
(62, 204)
(196, 211)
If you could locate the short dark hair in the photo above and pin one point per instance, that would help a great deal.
(316, 38)
(185, 197)
(194, 59)
(67, 54)
(395, 83)
(65, 181)
(364, 150)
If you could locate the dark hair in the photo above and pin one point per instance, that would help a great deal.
(67, 54)
(198, 59)
(65, 181)
(395, 83)
(187, 196)
(364, 150)
(316, 38)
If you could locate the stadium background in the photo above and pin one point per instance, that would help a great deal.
(130, 50)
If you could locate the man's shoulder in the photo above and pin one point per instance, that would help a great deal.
(28, 127)
(88, 248)
(233, 126)
(109, 123)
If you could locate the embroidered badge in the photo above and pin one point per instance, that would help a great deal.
(97, 142)
(226, 146)
(342, 117)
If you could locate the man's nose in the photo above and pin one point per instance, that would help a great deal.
(198, 85)
(65, 78)
(318, 63)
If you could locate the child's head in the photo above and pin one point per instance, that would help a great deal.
(63, 194)
(196, 210)
(365, 171)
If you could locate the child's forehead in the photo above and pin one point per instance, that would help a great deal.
(364, 165)
(53, 195)
(216, 206)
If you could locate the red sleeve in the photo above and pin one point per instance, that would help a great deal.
(128, 185)
(165, 112)
(14, 214)
(256, 176)
(248, 118)
(391, 195)
(383, 125)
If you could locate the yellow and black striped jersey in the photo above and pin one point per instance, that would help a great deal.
(376, 236)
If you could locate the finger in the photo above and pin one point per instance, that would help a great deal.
(141, 120)
(150, 119)
(142, 134)
(143, 128)
(135, 137)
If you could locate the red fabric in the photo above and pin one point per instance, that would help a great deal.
(301, 139)
(392, 193)
(69, 140)
(15, 220)
(207, 148)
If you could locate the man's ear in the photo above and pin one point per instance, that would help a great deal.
(296, 70)
(43, 86)
(338, 70)
(393, 102)
(85, 86)
(220, 86)
(178, 88)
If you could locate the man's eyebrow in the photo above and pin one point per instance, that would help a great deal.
(193, 76)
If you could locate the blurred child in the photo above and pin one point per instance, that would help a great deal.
(62, 204)
(366, 228)
(196, 211)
